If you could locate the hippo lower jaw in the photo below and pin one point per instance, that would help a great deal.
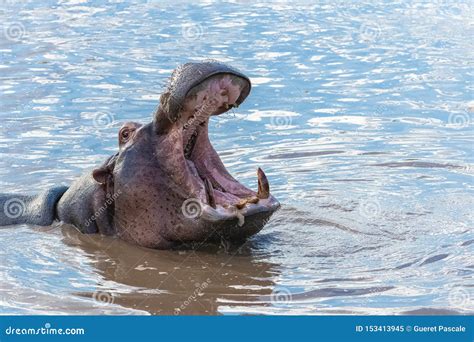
(221, 213)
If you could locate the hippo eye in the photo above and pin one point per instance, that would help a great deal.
(125, 135)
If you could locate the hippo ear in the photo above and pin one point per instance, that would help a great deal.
(103, 173)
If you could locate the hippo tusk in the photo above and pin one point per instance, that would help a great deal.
(241, 218)
(210, 193)
(263, 185)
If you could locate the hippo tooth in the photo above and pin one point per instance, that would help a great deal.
(244, 201)
(210, 193)
(241, 203)
(241, 218)
(253, 200)
(263, 185)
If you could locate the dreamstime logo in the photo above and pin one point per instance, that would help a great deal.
(280, 122)
(202, 113)
(108, 202)
(459, 120)
(14, 31)
(369, 32)
(103, 298)
(14, 208)
(281, 296)
(192, 208)
(200, 287)
(381, 109)
(191, 31)
(103, 120)
(459, 297)
(370, 208)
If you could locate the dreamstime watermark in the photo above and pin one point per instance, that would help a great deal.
(108, 202)
(461, 298)
(281, 296)
(103, 119)
(193, 296)
(203, 112)
(380, 110)
(369, 33)
(370, 207)
(46, 330)
(14, 208)
(459, 120)
(103, 297)
(280, 122)
(192, 208)
(191, 31)
(14, 31)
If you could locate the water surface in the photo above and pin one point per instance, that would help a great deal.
(361, 116)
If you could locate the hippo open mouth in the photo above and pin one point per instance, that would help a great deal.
(224, 197)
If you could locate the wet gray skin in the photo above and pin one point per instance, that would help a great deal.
(166, 185)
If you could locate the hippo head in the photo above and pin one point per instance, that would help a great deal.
(168, 183)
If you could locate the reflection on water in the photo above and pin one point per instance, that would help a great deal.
(169, 282)
(361, 115)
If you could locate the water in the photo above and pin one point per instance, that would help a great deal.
(361, 116)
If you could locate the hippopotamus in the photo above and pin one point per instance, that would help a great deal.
(166, 185)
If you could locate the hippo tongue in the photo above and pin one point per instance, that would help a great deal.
(210, 166)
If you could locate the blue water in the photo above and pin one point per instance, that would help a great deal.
(361, 115)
